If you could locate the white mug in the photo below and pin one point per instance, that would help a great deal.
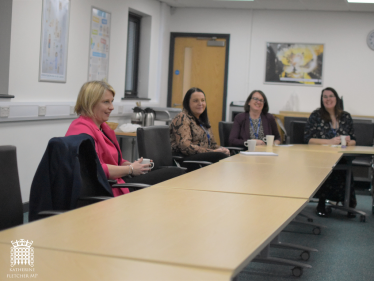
(147, 161)
(343, 141)
(251, 144)
(269, 139)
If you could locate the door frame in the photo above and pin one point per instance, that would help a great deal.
(174, 35)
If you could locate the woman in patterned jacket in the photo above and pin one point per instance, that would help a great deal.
(190, 131)
(325, 126)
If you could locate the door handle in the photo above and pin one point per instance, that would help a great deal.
(177, 104)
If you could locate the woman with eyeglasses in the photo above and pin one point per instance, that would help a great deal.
(190, 131)
(255, 122)
(325, 126)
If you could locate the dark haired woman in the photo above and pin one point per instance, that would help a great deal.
(325, 126)
(190, 132)
(255, 122)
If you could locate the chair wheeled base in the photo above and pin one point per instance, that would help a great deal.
(264, 257)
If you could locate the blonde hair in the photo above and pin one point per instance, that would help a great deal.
(89, 95)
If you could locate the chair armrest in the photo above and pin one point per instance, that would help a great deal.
(46, 214)
(363, 161)
(94, 199)
(177, 158)
(173, 167)
(133, 186)
(234, 148)
(205, 163)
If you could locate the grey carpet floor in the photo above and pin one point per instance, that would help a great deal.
(345, 249)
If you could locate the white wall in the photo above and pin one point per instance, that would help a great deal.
(31, 137)
(25, 44)
(348, 62)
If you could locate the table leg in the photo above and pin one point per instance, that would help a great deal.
(348, 182)
(345, 207)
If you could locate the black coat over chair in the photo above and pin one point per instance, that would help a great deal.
(57, 184)
(11, 209)
(69, 176)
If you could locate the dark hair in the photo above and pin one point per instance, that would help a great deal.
(203, 118)
(265, 109)
(338, 106)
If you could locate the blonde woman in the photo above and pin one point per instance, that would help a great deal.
(94, 105)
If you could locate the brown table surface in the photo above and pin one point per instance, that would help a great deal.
(293, 181)
(118, 133)
(320, 148)
(206, 230)
(290, 157)
(62, 265)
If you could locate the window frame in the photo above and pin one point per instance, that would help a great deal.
(133, 93)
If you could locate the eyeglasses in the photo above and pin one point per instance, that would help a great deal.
(327, 97)
(259, 100)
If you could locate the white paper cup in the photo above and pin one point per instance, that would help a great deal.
(147, 161)
(269, 139)
(251, 144)
(343, 141)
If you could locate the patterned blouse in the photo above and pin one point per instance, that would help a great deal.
(317, 128)
(255, 126)
(187, 137)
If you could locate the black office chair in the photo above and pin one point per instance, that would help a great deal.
(69, 176)
(11, 209)
(154, 143)
(224, 134)
(362, 167)
(296, 134)
(287, 125)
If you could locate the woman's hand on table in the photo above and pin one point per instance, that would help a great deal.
(335, 141)
(223, 150)
(347, 139)
(260, 142)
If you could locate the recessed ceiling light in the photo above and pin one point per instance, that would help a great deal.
(360, 1)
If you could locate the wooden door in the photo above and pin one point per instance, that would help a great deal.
(198, 65)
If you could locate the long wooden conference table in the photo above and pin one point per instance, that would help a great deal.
(205, 225)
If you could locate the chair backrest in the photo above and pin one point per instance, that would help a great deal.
(287, 123)
(11, 209)
(297, 132)
(154, 143)
(224, 132)
(361, 120)
(69, 169)
(364, 133)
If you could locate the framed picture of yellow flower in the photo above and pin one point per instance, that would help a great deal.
(294, 63)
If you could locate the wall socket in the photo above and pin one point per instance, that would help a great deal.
(4, 111)
(42, 110)
(71, 110)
